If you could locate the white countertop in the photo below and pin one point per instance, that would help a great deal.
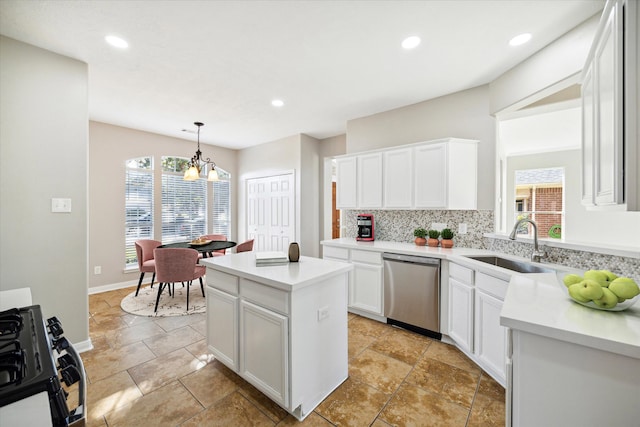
(294, 275)
(534, 302)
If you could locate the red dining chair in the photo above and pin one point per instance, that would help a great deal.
(177, 265)
(245, 246)
(146, 263)
(219, 252)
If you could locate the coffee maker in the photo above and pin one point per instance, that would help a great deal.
(365, 227)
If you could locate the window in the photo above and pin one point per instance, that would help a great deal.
(221, 204)
(184, 203)
(138, 205)
(540, 196)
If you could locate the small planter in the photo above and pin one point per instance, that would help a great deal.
(433, 238)
(420, 234)
(447, 236)
(446, 243)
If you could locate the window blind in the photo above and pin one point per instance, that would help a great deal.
(221, 204)
(184, 208)
(138, 205)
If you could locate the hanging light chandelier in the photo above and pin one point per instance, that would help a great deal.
(197, 163)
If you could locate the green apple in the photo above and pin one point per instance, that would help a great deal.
(608, 300)
(624, 287)
(621, 299)
(574, 292)
(610, 275)
(571, 279)
(598, 276)
(591, 289)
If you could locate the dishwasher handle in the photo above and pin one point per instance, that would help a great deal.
(412, 259)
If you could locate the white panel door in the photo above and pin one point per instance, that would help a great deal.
(370, 180)
(346, 183)
(222, 326)
(430, 169)
(264, 346)
(490, 336)
(398, 178)
(461, 314)
(271, 212)
(366, 288)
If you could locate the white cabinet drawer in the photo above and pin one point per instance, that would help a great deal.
(492, 285)
(367, 257)
(223, 281)
(265, 296)
(335, 253)
(463, 274)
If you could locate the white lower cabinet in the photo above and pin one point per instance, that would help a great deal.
(475, 302)
(365, 280)
(490, 336)
(264, 348)
(365, 288)
(222, 330)
(461, 314)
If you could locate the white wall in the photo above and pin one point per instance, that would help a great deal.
(461, 115)
(560, 59)
(109, 148)
(43, 154)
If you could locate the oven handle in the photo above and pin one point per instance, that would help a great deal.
(78, 415)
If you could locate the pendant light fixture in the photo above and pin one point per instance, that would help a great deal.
(197, 162)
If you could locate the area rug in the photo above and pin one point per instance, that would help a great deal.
(176, 305)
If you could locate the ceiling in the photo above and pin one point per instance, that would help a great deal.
(223, 62)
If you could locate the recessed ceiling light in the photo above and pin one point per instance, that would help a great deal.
(411, 42)
(117, 42)
(277, 103)
(520, 39)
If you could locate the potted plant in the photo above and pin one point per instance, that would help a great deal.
(433, 238)
(447, 236)
(420, 234)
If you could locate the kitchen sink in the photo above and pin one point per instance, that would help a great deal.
(513, 265)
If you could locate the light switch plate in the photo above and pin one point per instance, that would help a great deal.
(60, 205)
(438, 225)
(462, 228)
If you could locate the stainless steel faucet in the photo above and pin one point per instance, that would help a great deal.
(537, 254)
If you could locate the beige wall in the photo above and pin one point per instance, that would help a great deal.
(43, 155)
(301, 154)
(461, 115)
(109, 147)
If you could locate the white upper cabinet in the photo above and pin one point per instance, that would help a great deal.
(398, 179)
(369, 180)
(446, 175)
(439, 174)
(609, 111)
(346, 188)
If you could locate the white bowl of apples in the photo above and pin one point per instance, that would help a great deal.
(600, 289)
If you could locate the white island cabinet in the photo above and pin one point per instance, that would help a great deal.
(283, 328)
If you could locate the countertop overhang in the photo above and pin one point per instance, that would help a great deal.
(289, 277)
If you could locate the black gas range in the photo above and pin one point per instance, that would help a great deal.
(34, 359)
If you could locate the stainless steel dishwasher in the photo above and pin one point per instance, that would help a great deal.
(412, 293)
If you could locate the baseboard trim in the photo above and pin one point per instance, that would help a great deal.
(83, 346)
(112, 287)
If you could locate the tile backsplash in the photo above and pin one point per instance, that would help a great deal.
(398, 226)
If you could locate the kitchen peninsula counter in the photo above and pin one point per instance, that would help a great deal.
(283, 328)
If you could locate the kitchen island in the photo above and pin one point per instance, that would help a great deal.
(283, 328)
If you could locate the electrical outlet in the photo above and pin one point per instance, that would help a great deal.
(97, 269)
(438, 225)
(323, 313)
(462, 228)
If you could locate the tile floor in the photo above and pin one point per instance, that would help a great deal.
(145, 371)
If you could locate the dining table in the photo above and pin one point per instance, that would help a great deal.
(204, 248)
